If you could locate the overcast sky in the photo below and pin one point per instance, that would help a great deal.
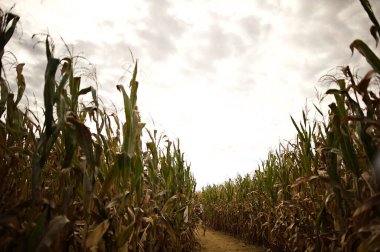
(222, 76)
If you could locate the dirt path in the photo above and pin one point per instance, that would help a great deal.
(215, 241)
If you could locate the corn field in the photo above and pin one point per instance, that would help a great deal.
(320, 192)
(65, 187)
(80, 179)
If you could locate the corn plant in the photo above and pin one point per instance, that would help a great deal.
(321, 191)
(68, 188)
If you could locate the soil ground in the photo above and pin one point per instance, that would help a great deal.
(215, 241)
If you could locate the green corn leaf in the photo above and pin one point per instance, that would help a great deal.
(134, 86)
(60, 89)
(295, 125)
(346, 145)
(49, 89)
(128, 117)
(74, 89)
(335, 91)
(6, 34)
(69, 146)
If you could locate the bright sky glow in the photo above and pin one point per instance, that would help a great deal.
(222, 76)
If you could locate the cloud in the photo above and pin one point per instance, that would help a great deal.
(223, 39)
(222, 76)
(159, 31)
(254, 27)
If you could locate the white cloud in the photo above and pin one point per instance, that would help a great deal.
(223, 76)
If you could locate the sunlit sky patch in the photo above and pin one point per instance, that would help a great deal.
(222, 76)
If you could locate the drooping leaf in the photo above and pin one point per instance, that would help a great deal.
(20, 83)
(363, 84)
(367, 206)
(369, 55)
(6, 32)
(368, 8)
(374, 34)
(127, 233)
(83, 136)
(97, 234)
(53, 231)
